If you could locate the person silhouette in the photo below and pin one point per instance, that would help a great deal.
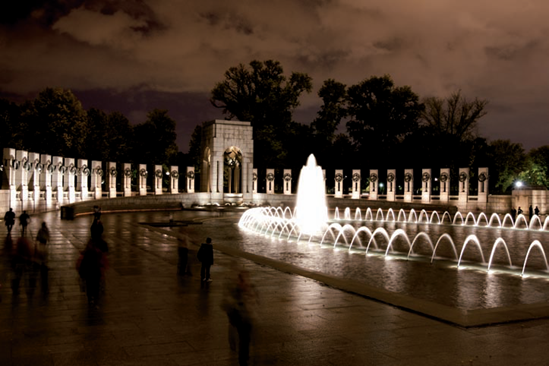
(24, 220)
(9, 219)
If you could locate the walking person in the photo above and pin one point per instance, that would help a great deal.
(9, 219)
(91, 266)
(519, 211)
(42, 237)
(206, 257)
(536, 211)
(24, 220)
(239, 304)
(183, 266)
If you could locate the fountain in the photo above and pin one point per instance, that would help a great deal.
(428, 242)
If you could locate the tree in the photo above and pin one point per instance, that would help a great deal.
(155, 139)
(55, 123)
(537, 167)
(11, 135)
(508, 161)
(381, 116)
(262, 95)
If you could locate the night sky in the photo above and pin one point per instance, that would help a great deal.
(136, 55)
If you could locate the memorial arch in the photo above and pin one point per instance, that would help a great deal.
(227, 161)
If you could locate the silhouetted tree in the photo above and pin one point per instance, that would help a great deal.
(155, 139)
(508, 161)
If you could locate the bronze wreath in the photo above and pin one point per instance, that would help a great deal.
(356, 177)
(175, 174)
(425, 177)
(390, 177)
(338, 177)
(373, 177)
(158, 173)
(287, 177)
(143, 173)
(462, 177)
(270, 176)
(127, 172)
(407, 177)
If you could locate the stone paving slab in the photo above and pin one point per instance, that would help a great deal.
(150, 316)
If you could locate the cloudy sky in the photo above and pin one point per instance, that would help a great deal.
(136, 55)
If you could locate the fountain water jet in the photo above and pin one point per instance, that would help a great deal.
(311, 211)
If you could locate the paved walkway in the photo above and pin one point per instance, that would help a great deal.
(150, 316)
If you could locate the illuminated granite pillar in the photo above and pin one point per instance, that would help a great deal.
(391, 185)
(143, 174)
(190, 179)
(444, 185)
(97, 179)
(408, 185)
(112, 173)
(21, 177)
(57, 178)
(158, 175)
(45, 182)
(374, 184)
(70, 177)
(270, 181)
(338, 183)
(34, 177)
(174, 179)
(127, 180)
(254, 181)
(82, 174)
(482, 185)
(8, 178)
(287, 181)
(356, 184)
(426, 183)
(463, 177)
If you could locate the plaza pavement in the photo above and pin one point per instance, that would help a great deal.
(150, 316)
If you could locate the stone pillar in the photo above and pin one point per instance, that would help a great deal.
(22, 167)
(287, 181)
(482, 185)
(174, 179)
(444, 185)
(8, 178)
(57, 177)
(45, 182)
(408, 185)
(236, 179)
(374, 184)
(463, 185)
(338, 181)
(158, 175)
(70, 176)
(356, 184)
(127, 180)
(111, 178)
(97, 179)
(34, 179)
(391, 185)
(426, 183)
(82, 174)
(142, 176)
(190, 176)
(270, 181)
(254, 181)
(219, 167)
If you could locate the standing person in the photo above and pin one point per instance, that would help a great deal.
(24, 220)
(514, 213)
(536, 211)
(183, 266)
(530, 212)
(519, 211)
(9, 219)
(42, 238)
(239, 304)
(206, 257)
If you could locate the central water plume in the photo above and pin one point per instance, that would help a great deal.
(311, 211)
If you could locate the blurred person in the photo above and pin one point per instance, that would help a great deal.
(536, 211)
(91, 266)
(239, 303)
(183, 265)
(9, 219)
(24, 220)
(206, 257)
(21, 262)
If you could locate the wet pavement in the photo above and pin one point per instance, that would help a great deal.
(150, 316)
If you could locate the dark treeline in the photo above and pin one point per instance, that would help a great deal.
(386, 127)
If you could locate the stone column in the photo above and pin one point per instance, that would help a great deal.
(444, 185)
(174, 179)
(374, 184)
(356, 184)
(22, 167)
(127, 180)
(219, 168)
(36, 170)
(57, 177)
(408, 185)
(236, 179)
(143, 174)
(190, 179)
(270, 181)
(391, 185)
(45, 182)
(70, 176)
(463, 185)
(338, 181)
(287, 181)
(97, 179)
(158, 175)
(83, 172)
(254, 181)
(111, 178)
(483, 185)
(426, 183)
